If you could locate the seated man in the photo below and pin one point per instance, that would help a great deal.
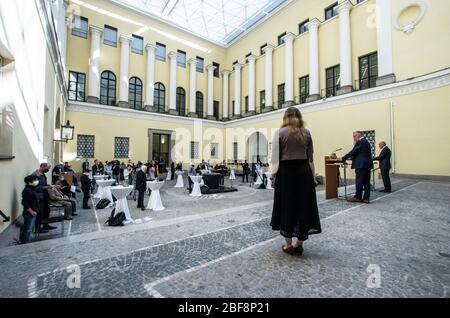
(57, 198)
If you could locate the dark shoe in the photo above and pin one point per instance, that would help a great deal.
(74, 214)
(298, 250)
(87, 208)
(365, 201)
(142, 209)
(382, 190)
(78, 190)
(354, 200)
(49, 227)
(68, 219)
(289, 250)
(41, 231)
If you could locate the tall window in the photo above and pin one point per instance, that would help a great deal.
(261, 48)
(280, 38)
(280, 95)
(262, 100)
(302, 27)
(80, 26)
(333, 80)
(304, 88)
(200, 64)
(216, 110)
(235, 150)
(85, 146)
(181, 101)
(137, 44)
(108, 88)
(110, 36)
(77, 86)
(194, 149)
(217, 69)
(330, 11)
(181, 58)
(159, 98)
(121, 147)
(368, 71)
(160, 52)
(199, 104)
(135, 93)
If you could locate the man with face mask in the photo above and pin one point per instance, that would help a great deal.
(41, 192)
(30, 205)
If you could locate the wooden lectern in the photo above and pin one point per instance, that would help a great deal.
(331, 177)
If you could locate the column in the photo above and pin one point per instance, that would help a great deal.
(237, 91)
(124, 64)
(94, 66)
(225, 76)
(345, 47)
(384, 40)
(62, 30)
(314, 87)
(173, 83)
(150, 84)
(288, 69)
(251, 85)
(211, 69)
(268, 51)
(192, 87)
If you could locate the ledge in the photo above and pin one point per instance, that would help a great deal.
(6, 158)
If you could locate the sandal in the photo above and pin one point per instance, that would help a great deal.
(289, 250)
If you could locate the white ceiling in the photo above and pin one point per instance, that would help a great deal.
(220, 21)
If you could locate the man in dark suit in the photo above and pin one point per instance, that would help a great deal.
(361, 156)
(86, 188)
(385, 165)
(141, 186)
(245, 171)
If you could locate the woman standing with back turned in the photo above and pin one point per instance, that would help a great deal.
(295, 212)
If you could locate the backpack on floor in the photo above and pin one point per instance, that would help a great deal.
(103, 203)
(116, 220)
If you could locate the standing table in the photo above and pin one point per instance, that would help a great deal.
(154, 202)
(105, 186)
(269, 180)
(196, 189)
(180, 183)
(120, 193)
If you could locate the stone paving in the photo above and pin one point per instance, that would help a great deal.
(226, 249)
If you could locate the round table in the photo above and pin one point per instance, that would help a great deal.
(154, 202)
(105, 186)
(99, 192)
(120, 193)
(169, 174)
(196, 189)
(269, 180)
(180, 183)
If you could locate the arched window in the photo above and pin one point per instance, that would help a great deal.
(135, 93)
(159, 99)
(199, 104)
(181, 101)
(108, 88)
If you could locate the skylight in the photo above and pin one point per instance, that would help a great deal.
(219, 21)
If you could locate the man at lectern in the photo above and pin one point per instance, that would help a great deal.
(361, 156)
(385, 165)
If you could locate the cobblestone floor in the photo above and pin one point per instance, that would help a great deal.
(224, 248)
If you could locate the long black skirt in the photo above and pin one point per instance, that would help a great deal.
(295, 212)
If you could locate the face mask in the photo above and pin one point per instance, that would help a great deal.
(35, 183)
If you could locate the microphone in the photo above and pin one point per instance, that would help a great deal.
(338, 150)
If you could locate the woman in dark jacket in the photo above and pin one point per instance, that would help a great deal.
(30, 204)
(295, 212)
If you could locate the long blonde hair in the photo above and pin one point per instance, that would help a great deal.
(292, 119)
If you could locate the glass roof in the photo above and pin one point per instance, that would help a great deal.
(220, 21)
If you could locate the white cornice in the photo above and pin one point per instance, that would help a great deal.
(419, 84)
(138, 114)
